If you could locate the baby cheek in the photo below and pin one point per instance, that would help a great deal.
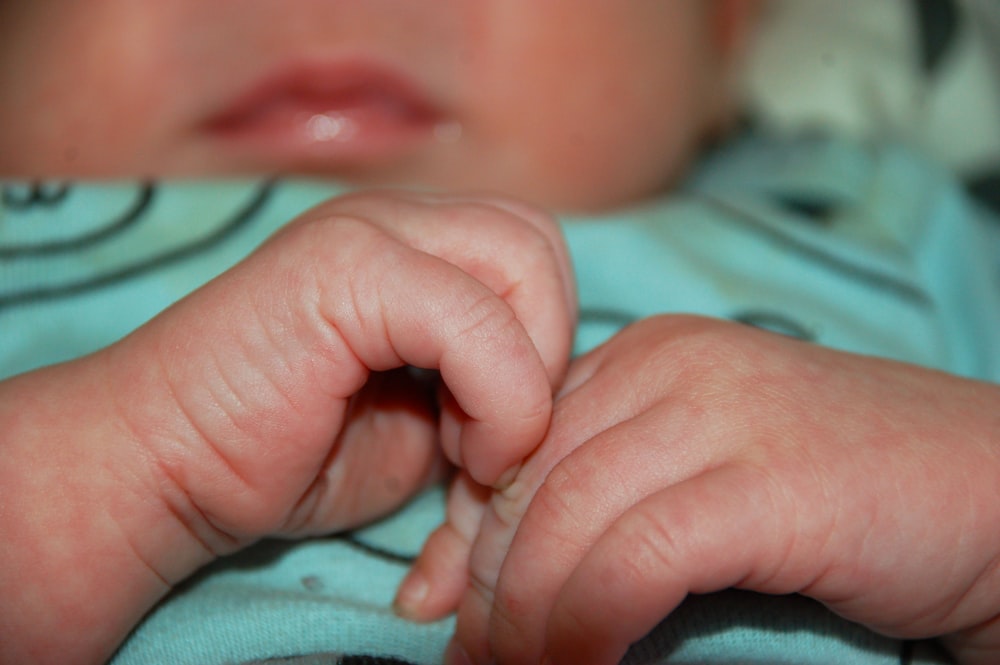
(612, 161)
(99, 94)
(614, 141)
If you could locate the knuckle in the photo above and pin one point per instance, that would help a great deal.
(527, 228)
(510, 506)
(369, 203)
(561, 483)
(511, 613)
(552, 506)
(693, 350)
(488, 320)
(484, 584)
(651, 545)
(535, 216)
(508, 208)
(319, 247)
(548, 506)
(570, 619)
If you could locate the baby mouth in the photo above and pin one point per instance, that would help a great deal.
(353, 110)
(324, 114)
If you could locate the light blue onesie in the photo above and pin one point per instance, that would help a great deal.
(863, 248)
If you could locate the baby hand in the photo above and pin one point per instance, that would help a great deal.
(688, 456)
(264, 404)
(268, 366)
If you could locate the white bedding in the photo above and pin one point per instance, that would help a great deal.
(856, 65)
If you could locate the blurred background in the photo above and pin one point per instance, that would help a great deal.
(926, 72)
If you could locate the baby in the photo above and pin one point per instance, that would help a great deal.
(589, 493)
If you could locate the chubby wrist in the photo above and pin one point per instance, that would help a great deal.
(90, 542)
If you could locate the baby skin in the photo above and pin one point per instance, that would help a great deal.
(729, 457)
(589, 496)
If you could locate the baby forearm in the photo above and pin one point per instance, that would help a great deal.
(84, 548)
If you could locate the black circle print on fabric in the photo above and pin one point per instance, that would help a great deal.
(36, 194)
(75, 242)
(114, 229)
(356, 541)
(775, 322)
(331, 659)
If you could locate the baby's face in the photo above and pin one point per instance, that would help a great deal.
(569, 103)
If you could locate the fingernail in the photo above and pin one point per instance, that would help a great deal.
(456, 655)
(507, 479)
(411, 595)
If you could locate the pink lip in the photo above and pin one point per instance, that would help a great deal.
(322, 114)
